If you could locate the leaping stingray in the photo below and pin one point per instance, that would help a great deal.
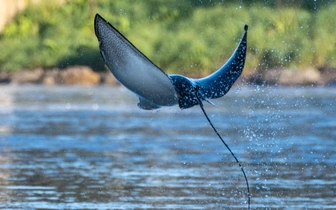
(155, 88)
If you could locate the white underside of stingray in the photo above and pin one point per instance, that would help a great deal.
(154, 87)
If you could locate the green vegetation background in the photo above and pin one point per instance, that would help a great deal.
(179, 36)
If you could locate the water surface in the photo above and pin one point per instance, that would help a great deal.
(92, 148)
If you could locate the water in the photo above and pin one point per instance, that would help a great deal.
(92, 148)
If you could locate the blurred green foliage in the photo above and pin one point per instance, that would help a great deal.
(193, 37)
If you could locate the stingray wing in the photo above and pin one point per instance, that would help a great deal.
(219, 83)
(133, 69)
(215, 85)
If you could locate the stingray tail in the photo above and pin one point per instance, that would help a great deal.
(227, 146)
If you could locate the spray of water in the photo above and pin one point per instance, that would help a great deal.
(227, 146)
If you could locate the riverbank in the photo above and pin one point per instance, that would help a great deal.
(191, 36)
(76, 75)
(83, 75)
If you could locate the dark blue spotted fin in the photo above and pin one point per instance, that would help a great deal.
(215, 85)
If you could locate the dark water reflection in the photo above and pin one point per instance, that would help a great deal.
(92, 148)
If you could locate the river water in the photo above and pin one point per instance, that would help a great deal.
(92, 148)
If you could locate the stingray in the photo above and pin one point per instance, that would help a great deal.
(155, 88)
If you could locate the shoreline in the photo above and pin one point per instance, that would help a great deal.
(85, 76)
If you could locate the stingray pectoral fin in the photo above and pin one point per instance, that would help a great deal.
(213, 86)
(133, 69)
(219, 83)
